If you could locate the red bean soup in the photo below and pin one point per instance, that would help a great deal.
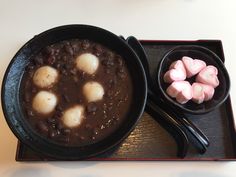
(59, 106)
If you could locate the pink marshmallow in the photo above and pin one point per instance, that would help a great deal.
(176, 72)
(198, 93)
(208, 76)
(174, 75)
(178, 64)
(208, 92)
(202, 92)
(174, 89)
(181, 90)
(193, 66)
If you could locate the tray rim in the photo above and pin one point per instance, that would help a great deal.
(19, 157)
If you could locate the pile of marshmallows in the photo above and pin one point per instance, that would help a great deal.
(201, 90)
(46, 77)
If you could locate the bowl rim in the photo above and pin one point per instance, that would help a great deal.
(179, 106)
(5, 77)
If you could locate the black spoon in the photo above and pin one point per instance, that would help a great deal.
(199, 140)
(170, 125)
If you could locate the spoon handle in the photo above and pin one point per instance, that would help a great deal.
(199, 140)
(170, 125)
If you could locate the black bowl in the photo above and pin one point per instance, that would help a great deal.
(202, 53)
(11, 101)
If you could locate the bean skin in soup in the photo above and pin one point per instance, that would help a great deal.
(76, 92)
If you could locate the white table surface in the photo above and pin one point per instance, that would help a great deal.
(20, 20)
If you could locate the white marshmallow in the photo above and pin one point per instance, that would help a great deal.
(93, 91)
(44, 102)
(87, 62)
(45, 76)
(73, 116)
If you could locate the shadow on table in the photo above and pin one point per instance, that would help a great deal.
(73, 164)
(199, 174)
(7, 142)
(28, 172)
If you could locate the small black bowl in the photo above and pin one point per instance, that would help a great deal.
(11, 99)
(197, 52)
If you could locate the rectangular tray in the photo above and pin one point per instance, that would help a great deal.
(149, 141)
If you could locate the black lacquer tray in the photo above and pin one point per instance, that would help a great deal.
(149, 141)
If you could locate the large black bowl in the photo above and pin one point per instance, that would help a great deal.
(11, 100)
(221, 92)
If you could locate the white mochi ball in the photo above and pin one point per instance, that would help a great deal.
(45, 76)
(44, 102)
(87, 62)
(93, 91)
(73, 116)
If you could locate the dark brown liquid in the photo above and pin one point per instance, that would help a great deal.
(102, 117)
